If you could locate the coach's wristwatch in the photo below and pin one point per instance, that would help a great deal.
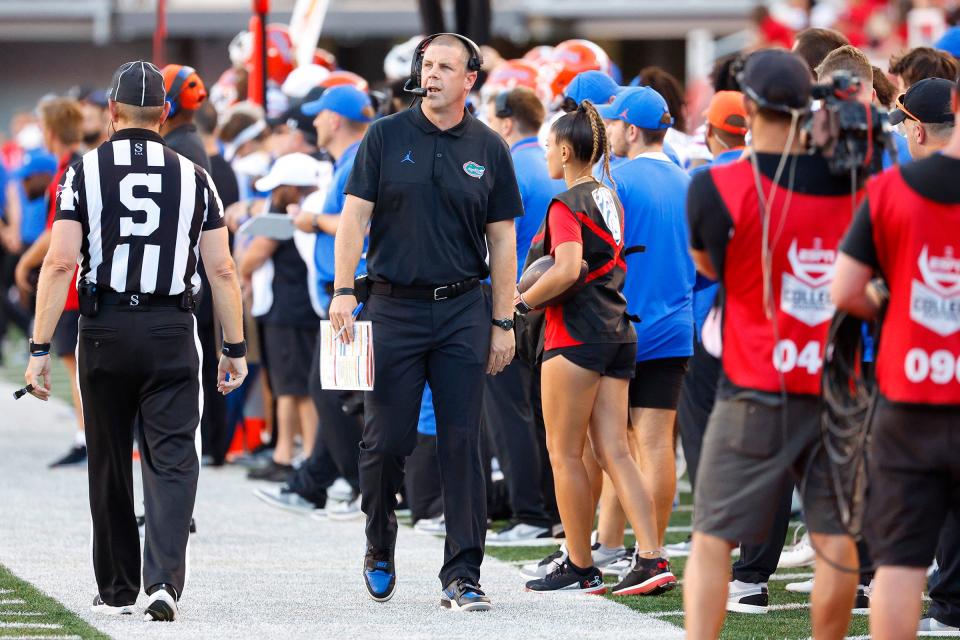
(505, 324)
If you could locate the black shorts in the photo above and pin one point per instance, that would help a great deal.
(914, 480)
(746, 465)
(614, 360)
(65, 335)
(657, 383)
(289, 358)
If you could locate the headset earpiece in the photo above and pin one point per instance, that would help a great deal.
(474, 63)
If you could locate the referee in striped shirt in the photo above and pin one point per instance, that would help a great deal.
(139, 217)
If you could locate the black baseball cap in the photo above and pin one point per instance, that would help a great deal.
(926, 101)
(295, 118)
(138, 83)
(776, 79)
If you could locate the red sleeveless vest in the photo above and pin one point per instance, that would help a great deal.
(918, 248)
(804, 247)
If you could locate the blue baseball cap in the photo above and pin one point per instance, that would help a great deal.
(950, 42)
(346, 100)
(595, 86)
(36, 161)
(642, 107)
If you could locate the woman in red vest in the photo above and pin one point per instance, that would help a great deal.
(589, 357)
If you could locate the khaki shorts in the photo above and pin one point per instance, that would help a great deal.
(750, 458)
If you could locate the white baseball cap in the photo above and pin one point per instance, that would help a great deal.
(293, 169)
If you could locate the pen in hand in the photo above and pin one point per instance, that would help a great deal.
(355, 313)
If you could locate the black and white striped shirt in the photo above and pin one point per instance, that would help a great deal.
(142, 207)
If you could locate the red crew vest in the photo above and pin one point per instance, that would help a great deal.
(804, 247)
(918, 249)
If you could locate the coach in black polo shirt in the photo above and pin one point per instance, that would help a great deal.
(438, 190)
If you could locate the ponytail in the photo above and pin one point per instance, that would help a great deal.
(584, 131)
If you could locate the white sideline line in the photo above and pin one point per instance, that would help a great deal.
(776, 607)
(3, 591)
(790, 576)
(44, 637)
(683, 507)
(29, 625)
(21, 614)
(14, 601)
(680, 529)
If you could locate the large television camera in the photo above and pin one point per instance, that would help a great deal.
(852, 135)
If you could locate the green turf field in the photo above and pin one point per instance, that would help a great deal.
(25, 611)
(791, 622)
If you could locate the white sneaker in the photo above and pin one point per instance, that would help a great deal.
(519, 534)
(99, 606)
(546, 566)
(931, 627)
(800, 555)
(431, 526)
(161, 606)
(800, 587)
(747, 597)
(679, 549)
(340, 490)
(343, 511)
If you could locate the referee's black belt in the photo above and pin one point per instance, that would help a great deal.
(139, 300)
(432, 293)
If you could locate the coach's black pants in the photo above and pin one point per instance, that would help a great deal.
(446, 343)
(508, 416)
(697, 395)
(146, 361)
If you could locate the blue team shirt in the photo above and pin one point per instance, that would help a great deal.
(705, 289)
(660, 279)
(427, 424)
(333, 204)
(3, 192)
(33, 216)
(903, 151)
(536, 192)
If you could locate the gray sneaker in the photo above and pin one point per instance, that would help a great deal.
(613, 562)
(431, 526)
(519, 534)
(286, 499)
(343, 511)
(932, 627)
(540, 570)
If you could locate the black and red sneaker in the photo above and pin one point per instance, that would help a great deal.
(647, 577)
(568, 579)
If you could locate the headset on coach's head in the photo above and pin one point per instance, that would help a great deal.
(475, 63)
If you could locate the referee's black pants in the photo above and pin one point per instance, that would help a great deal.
(446, 343)
(146, 361)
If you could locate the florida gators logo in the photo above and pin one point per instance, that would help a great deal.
(473, 169)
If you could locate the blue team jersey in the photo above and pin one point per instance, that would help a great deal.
(3, 192)
(705, 289)
(660, 272)
(33, 216)
(333, 204)
(536, 191)
(903, 151)
(427, 424)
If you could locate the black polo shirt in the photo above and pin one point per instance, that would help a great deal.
(433, 192)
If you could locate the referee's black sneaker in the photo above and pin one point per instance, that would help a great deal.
(463, 595)
(567, 578)
(162, 605)
(648, 577)
(379, 576)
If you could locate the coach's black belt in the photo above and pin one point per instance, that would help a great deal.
(140, 300)
(426, 292)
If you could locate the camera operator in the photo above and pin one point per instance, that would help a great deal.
(906, 229)
(787, 211)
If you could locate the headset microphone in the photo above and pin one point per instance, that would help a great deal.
(420, 92)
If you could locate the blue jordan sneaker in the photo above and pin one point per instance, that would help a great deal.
(463, 595)
(379, 575)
